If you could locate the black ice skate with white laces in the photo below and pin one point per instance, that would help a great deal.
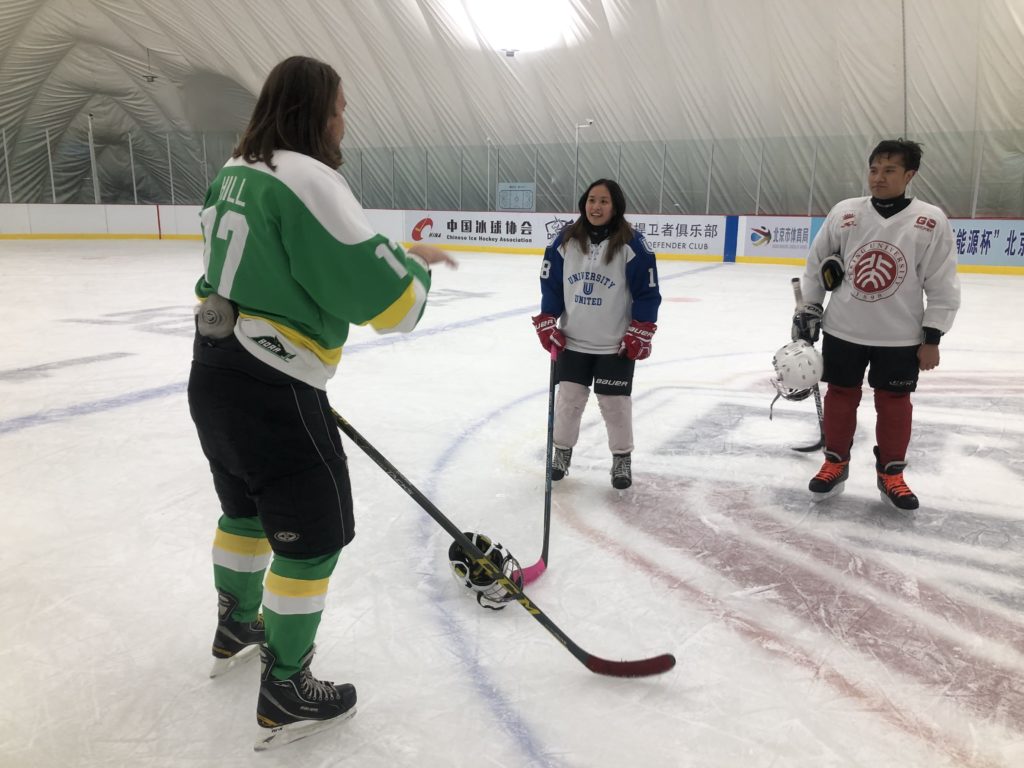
(560, 461)
(235, 642)
(622, 470)
(299, 706)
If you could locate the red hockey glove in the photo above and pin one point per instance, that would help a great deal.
(548, 333)
(636, 344)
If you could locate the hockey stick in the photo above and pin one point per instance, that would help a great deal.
(533, 572)
(638, 668)
(798, 296)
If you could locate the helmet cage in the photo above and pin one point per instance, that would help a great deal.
(787, 393)
(490, 592)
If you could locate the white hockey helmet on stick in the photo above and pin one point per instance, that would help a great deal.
(798, 367)
(475, 577)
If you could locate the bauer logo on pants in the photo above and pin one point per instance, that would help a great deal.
(286, 537)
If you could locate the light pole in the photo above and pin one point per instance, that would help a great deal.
(92, 165)
(576, 168)
(488, 173)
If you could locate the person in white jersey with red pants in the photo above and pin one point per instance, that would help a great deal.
(889, 262)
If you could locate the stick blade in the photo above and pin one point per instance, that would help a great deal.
(811, 448)
(532, 572)
(655, 665)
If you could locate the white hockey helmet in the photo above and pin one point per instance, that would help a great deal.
(490, 593)
(798, 367)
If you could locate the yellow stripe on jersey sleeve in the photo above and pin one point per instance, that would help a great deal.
(404, 312)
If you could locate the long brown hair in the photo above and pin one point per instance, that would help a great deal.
(620, 231)
(292, 111)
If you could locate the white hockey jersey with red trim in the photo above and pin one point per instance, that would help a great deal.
(900, 273)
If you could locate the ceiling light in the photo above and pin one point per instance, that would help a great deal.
(520, 26)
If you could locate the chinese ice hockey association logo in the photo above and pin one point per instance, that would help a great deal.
(878, 269)
(422, 228)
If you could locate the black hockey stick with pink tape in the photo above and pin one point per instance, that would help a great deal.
(532, 572)
(637, 668)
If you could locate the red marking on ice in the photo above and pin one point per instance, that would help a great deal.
(896, 641)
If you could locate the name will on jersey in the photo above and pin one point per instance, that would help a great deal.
(229, 193)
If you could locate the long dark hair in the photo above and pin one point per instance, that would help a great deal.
(620, 231)
(292, 112)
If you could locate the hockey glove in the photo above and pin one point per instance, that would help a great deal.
(548, 333)
(832, 272)
(636, 344)
(807, 322)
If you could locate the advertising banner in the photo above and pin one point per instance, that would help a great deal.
(992, 246)
(483, 230)
(775, 239)
(690, 238)
(680, 237)
(990, 243)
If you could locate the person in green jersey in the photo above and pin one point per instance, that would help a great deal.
(290, 262)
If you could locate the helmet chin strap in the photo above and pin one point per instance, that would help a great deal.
(793, 395)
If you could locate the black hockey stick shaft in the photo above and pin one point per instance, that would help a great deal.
(637, 668)
(533, 572)
(798, 297)
(552, 380)
(821, 415)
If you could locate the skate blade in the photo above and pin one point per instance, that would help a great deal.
(221, 666)
(272, 738)
(892, 505)
(817, 498)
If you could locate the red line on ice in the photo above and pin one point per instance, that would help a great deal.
(892, 640)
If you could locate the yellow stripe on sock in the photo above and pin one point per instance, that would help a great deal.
(294, 597)
(285, 587)
(241, 545)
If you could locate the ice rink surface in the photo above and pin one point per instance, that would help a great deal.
(841, 634)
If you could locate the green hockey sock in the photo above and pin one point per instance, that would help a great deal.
(293, 603)
(241, 554)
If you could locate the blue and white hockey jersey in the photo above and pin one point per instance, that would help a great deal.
(595, 301)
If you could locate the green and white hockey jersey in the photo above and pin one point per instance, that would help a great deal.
(292, 248)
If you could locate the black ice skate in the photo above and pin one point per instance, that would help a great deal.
(235, 641)
(560, 461)
(894, 491)
(622, 470)
(300, 706)
(830, 479)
